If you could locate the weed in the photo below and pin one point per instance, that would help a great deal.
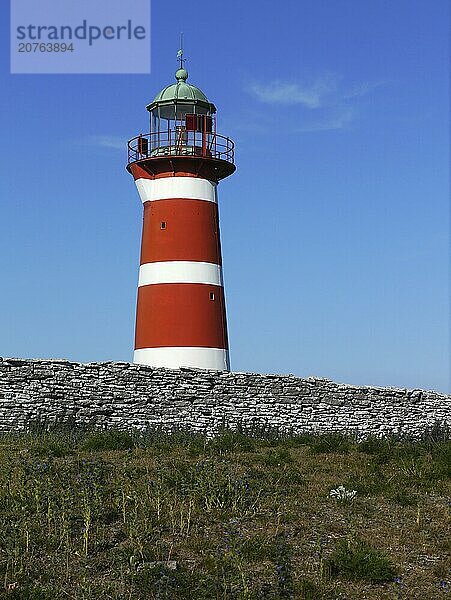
(259, 548)
(174, 584)
(230, 441)
(112, 439)
(341, 494)
(438, 432)
(331, 443)
(284, 568)
(51, 445)
(367, 482)
(29, 593)
(300, 439)
(404, 498)
(380, 448)
(441, 457)
(308, 590)
(355, 559)
(276, 457)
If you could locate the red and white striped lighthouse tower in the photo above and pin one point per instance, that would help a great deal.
(180, 315)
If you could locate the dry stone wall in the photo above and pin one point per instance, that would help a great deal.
(123, 395)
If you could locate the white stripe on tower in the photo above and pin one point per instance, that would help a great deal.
(164, 188)
(173, 357)
(180, 271)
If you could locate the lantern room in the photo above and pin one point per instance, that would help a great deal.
(180, 105)
(182, 124)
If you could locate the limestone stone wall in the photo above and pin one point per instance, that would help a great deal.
(128, 396)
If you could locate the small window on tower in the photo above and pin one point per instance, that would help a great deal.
(163, 225)
(212, 296)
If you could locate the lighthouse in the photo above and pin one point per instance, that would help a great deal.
(181, 313)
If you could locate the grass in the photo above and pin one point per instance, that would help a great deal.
(357, 560)
(117, 515)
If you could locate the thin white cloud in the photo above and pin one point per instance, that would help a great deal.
(323, 91)
(362, 89)
(327, 103)
(341, 119)
(311, 95)
(113, 142)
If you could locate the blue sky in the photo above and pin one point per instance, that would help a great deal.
(335, 227)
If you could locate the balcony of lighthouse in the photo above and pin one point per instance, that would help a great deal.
(200, 148)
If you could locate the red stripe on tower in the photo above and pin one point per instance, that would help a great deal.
(181, 316)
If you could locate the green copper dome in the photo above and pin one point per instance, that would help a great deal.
(182, 93)
(181, 90)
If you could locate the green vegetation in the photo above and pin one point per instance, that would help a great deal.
(356, 559)
(122, 516)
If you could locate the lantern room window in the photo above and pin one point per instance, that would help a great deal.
(202, 123)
